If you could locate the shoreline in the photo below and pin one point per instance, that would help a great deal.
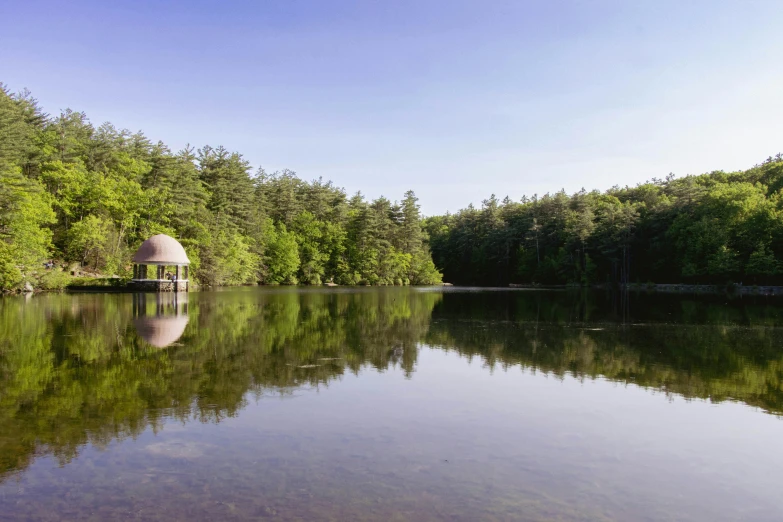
(671, 288)
(667, 288)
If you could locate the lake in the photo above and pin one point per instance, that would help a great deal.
(390, 404)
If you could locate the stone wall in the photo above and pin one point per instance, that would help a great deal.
(159, 286)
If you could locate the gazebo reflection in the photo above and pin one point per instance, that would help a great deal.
(160, 318)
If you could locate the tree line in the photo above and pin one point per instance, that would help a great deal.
(712, 228)
(90, 195)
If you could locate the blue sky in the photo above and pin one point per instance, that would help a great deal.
(453, 99)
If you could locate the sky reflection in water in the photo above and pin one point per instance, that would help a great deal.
(392, 404)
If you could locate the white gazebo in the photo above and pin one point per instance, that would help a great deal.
(171, 262)
(160, 319)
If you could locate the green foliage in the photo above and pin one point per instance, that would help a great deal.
(75, 370)
(762, 262)
(54, 280)
(234, 263)
(87, 241)
(25, 211)
(77, 282)
(712, 228)
(282, 257)
(10, 275)
(92, 195)
(313, 253)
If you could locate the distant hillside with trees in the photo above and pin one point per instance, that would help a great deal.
(713, 228)
(90, 195)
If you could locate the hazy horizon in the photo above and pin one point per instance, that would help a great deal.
(454, 100)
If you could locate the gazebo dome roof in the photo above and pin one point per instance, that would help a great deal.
(161, 331)
(161, 250)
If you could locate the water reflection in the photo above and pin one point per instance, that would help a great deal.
(168, 320)
(89, 369)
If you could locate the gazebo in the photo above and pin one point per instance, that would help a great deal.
(170, 261)
(166, 325)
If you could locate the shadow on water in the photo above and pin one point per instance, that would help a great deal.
(79, 369)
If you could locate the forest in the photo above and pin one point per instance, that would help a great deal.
(86, 197)
(714, 228)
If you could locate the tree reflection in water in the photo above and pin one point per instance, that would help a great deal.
(78, 369)
(168, 320)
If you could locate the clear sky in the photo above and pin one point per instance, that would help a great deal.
(454, 99)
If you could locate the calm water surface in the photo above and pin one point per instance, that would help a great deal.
(391, 404)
